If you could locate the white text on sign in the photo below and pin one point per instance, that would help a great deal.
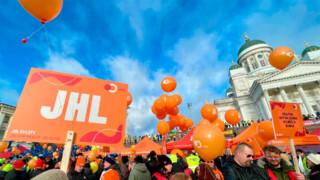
(73, 107)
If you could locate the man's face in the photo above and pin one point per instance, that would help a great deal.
(273, 158)
(245, 157)
(301, 154)
(106, 164)
(78, 168)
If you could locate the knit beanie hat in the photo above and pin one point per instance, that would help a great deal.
(110, 160)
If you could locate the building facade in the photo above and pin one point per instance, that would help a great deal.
(6, 112)
(254, 82)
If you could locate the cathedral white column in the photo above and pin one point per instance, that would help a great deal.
(279, 97)
(250, 65)
(304, 100)
(284, 95)
(262, 108)
(266, 103)
(2, 116)
(258, 61)
(317, 90)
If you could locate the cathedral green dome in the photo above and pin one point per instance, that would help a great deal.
(250, 43)
(310, 49)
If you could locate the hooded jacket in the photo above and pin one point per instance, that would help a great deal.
(232, 171)
(139, 171)
(285, 172)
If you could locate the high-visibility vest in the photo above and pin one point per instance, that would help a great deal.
(173, 158)
(193, 162)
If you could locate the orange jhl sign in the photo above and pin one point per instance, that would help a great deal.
(53, 103)
(287, 119)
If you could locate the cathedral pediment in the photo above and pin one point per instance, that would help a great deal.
(296, 70)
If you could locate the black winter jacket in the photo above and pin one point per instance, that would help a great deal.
(232, 171)
(315, 173)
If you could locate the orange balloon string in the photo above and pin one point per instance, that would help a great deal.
(34, 32)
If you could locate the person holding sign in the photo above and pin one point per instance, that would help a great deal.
(276, 167)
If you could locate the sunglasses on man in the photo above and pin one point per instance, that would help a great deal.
(250, 156)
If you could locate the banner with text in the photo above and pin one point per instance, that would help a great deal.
(287, 119)
(53, 103)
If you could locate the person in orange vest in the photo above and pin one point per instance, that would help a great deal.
(109, 173)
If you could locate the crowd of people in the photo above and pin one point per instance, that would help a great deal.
(275, 165)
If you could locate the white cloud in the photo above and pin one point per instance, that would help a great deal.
(61, 63)
(144, 87)
(198, 73)
(134, 9)
(140, 119)
(290, 26)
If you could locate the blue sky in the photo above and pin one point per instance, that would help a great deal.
(141, 41)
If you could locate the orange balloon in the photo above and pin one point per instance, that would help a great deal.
(209, 112)
(171, 102)
(265, 130)
(164, 98)
(181, 119)
(49, 148)
(168, 84)
(203, 121)
(153, 109)
(43, 10)
(163, 127)
(208, 141)
(178, 98)
(281, 57)
(232, 116)
(129, 99)
(219, 124)
(161, 116)
(159, 105)
(174, 111)
(172, 124)
(174, 120)
(178, 152)
(32, 163)
(188, 123)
